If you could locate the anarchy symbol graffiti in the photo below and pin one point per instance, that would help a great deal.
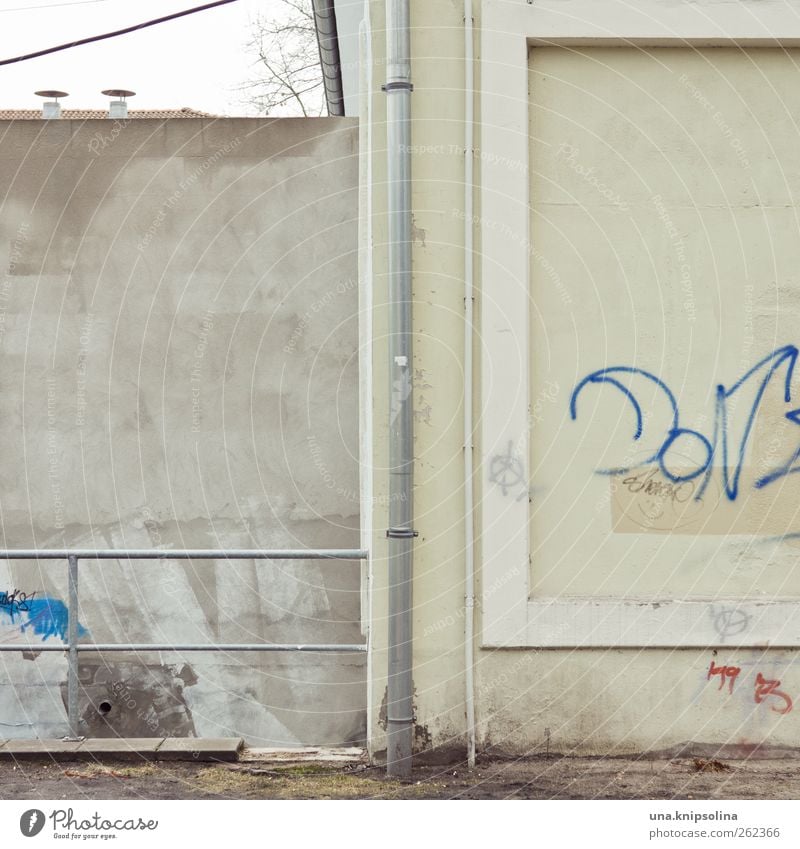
(506, 470)
(729, 621)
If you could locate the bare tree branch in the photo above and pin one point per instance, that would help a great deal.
(287, 77)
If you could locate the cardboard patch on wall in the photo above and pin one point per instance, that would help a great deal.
(646, 500)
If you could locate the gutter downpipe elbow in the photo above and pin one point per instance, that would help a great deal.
(328, 44)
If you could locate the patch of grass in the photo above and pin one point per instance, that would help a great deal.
(94, 770)
(305, 769)
(319, 783)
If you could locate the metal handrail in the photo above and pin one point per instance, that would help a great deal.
(309, 647)
(184, 554)
(73, 647)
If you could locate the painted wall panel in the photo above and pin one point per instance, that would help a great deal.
(664, 305)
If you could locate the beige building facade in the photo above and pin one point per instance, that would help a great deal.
(633, 439)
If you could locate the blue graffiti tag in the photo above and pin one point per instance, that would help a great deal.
(721, 444)
(46, 617)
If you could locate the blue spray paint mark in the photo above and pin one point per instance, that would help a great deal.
(46, 617)
(732, 455)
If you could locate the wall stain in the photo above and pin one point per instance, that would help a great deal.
(418, 234)
(126, 699)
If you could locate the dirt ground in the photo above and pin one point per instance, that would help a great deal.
(531, 778)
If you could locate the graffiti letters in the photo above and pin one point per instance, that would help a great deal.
(16, 601)
(764, 688)
(647, 482)
(726, 673)
(46, 617)
(723, 446)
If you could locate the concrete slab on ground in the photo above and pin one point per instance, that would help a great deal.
(200, 749)
(120, 748)
(134, 749)
(305, 754)
(37, 749)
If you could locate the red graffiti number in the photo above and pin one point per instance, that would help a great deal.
(726, 673)
(765, 687)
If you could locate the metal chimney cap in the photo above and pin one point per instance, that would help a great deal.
(118, 92)
(51, 93)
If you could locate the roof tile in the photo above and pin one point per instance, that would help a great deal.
(83, 114)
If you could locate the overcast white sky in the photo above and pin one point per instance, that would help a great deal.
(194, 61)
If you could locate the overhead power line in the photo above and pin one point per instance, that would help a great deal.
(114, 34)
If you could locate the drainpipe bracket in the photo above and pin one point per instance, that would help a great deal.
(387, 87)
(401, 533)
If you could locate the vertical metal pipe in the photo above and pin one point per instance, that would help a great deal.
(401, 534)
(469, 496)
(72, 638)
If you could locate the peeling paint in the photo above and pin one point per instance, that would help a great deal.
(418, 234)
(422, 412)
(128, 699)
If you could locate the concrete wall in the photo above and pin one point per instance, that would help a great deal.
(602, 283)
(178, 332)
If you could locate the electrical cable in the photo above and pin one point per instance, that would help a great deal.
(124, 31)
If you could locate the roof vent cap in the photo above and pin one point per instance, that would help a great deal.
(51, 108)
(118, 108)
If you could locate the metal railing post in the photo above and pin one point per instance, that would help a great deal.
(72, 638)
(72, 647)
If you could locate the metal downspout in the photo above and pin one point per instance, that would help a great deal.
(401, 534)
(469, 497)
